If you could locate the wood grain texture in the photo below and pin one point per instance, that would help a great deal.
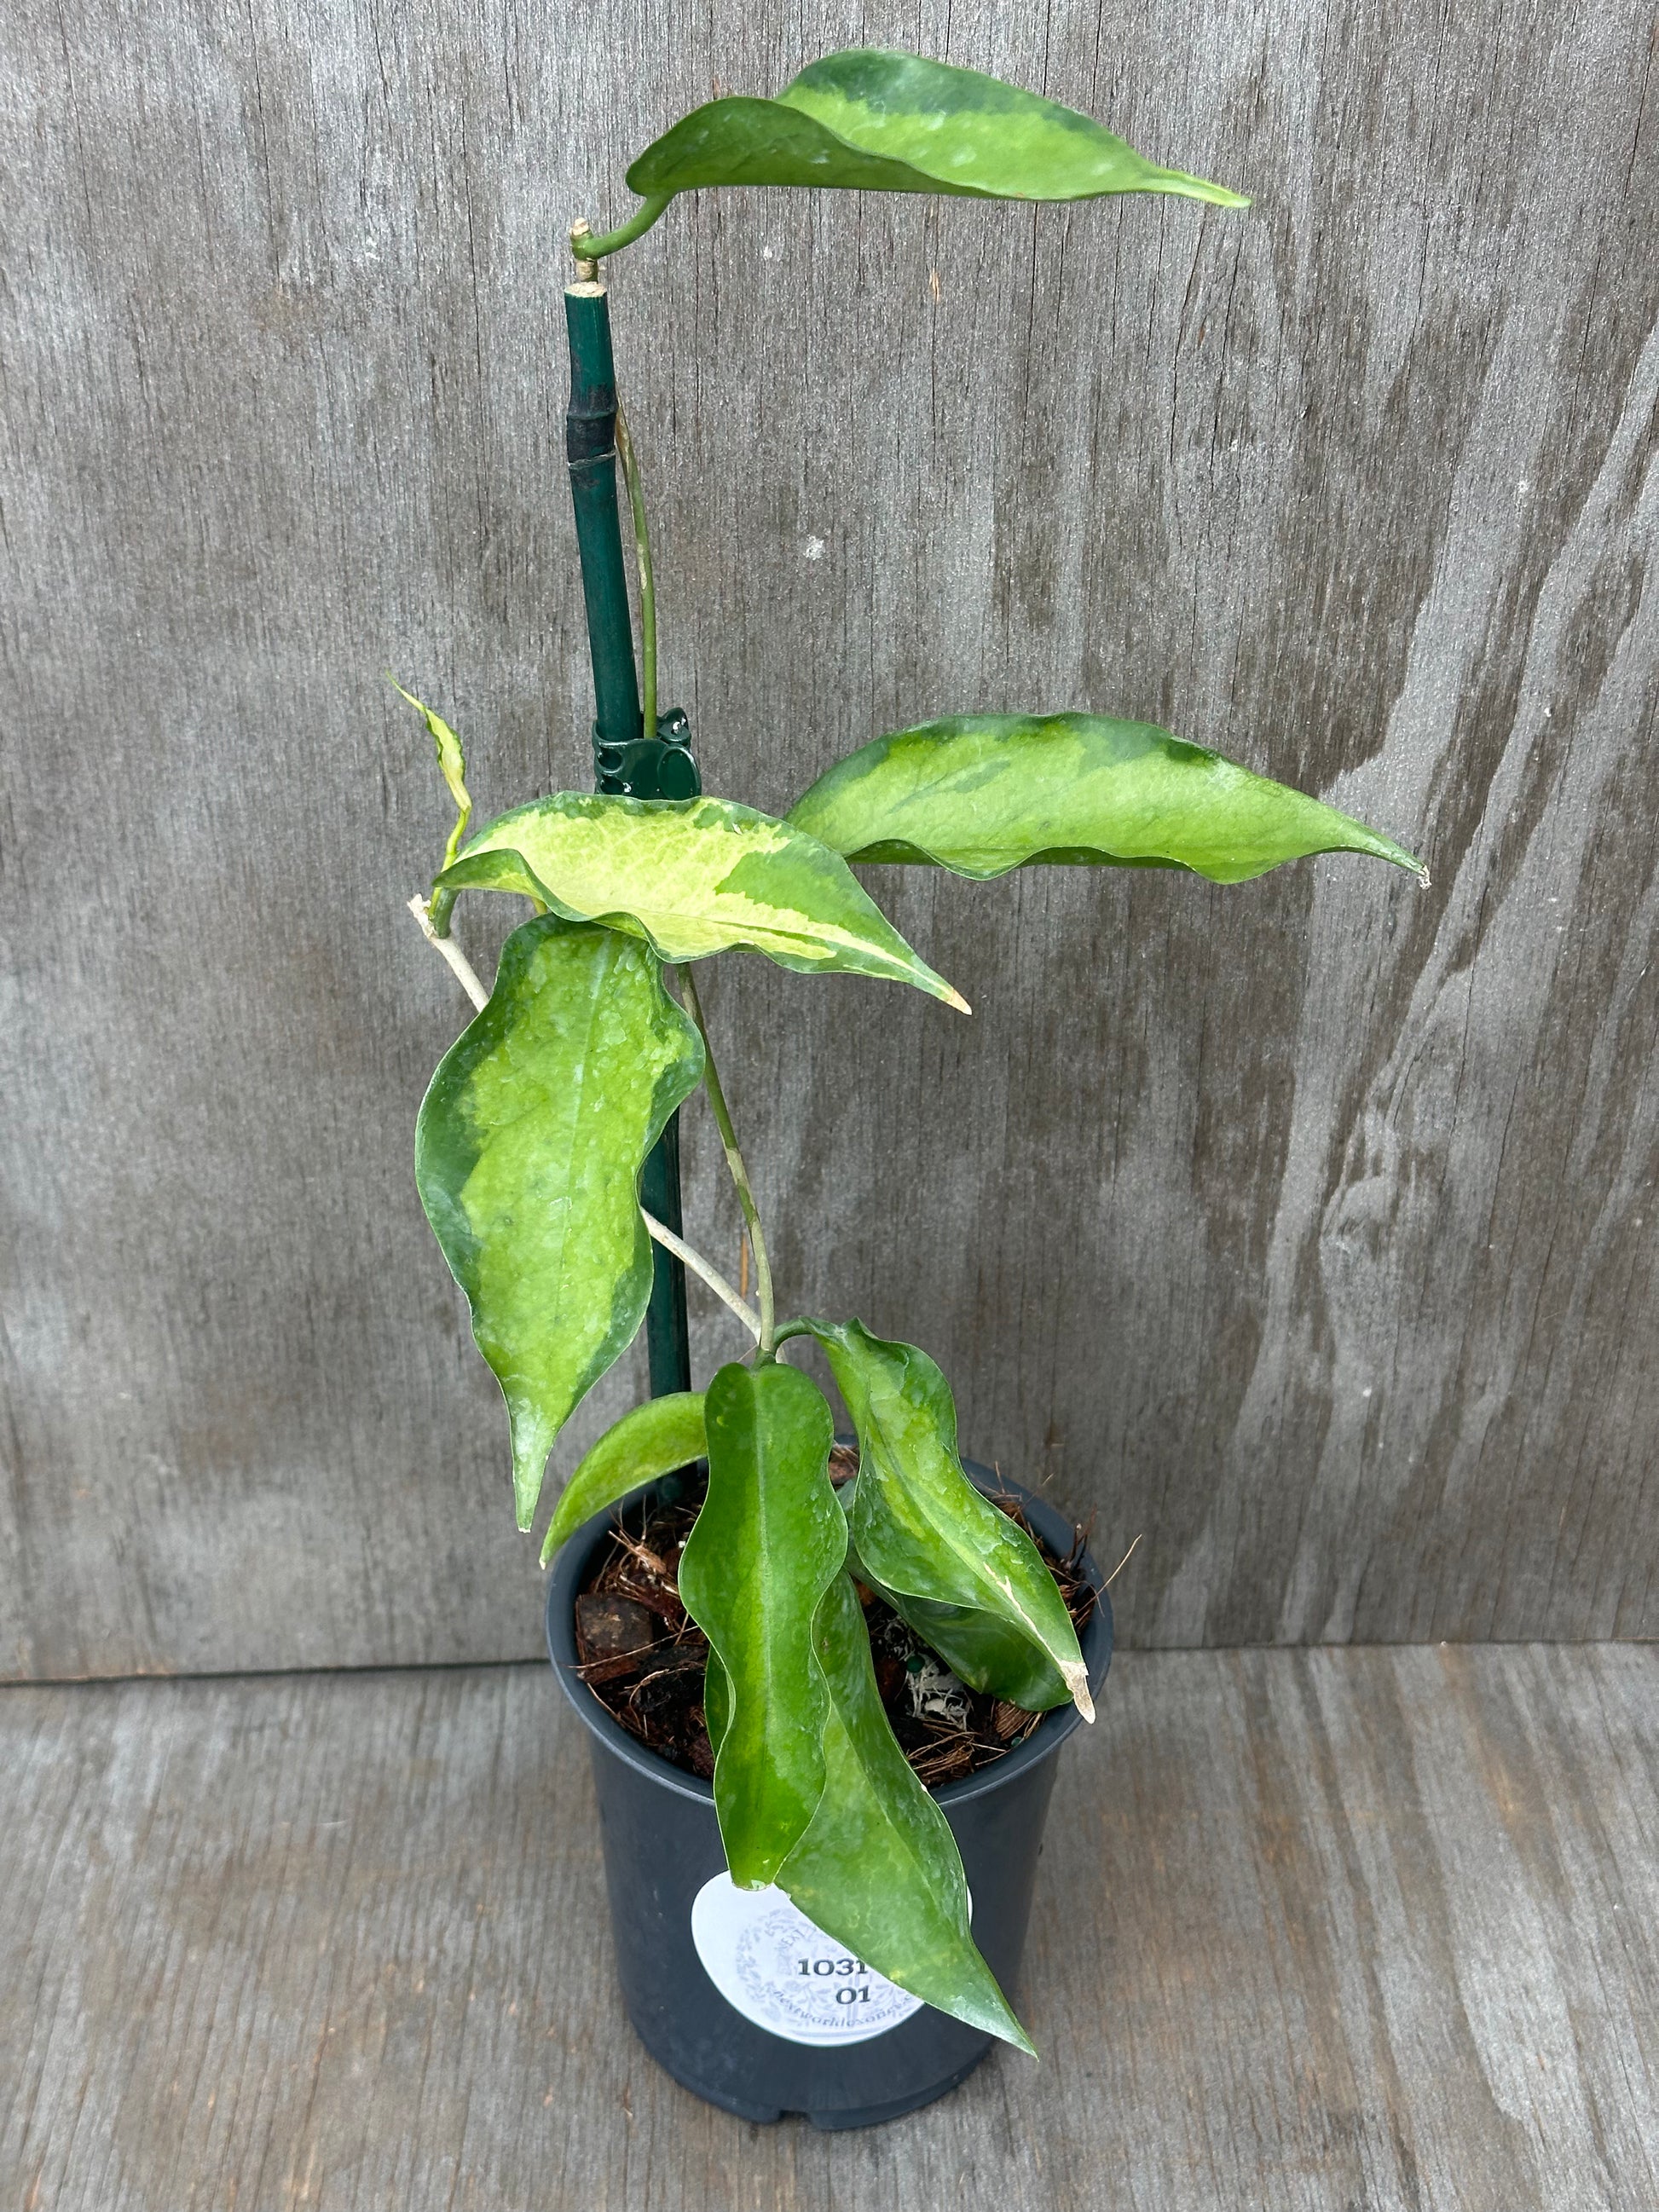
(1332, 1931)
(1305, 1230)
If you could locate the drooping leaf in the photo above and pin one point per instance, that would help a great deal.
(452, 763)
(987, 1653)
(527, 1155)
(967, 1578)
(769, 1539)
(878, 1868)
(693, 876)
(981, 794)
(874, 120)
(656, 1439)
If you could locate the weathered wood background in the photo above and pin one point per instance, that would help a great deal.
(1304, 1230)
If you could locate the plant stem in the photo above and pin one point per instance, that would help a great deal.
(734, 1162)
(648, 579)
(711, 1275)
(466, 975)
(586, 247)
(462, 967)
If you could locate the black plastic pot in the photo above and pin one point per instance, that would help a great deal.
(802, 2028)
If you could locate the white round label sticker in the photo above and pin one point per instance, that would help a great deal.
(769, 1961)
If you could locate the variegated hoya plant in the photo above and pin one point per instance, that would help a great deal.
(532, 1136)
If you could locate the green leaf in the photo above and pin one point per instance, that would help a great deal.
(877, 121)
(656, 1439)
(527, 1155)
(716, 1700)
(452, 762)
(967, 1578)
(987, 1653)
(981, 794)
(878, 1868)
(769, 1539)
(693, 876)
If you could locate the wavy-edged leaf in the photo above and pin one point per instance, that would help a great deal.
(878, 1868)
(876, 120)
(981, 794)
(527, 1156)
(452, 766)
(768, 1541)
(966, 1578)
(656, 1439)
(693, 876)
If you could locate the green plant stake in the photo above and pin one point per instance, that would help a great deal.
(590, 438)
(533, 1136)
(627, 757)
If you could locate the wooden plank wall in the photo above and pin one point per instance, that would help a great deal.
(1304, 1230)
(1321, 1931)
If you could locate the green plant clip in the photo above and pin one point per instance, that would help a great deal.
(662, 767)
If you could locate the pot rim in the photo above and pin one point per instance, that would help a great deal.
(1044, 1741)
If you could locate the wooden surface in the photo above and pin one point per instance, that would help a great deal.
(1321, 1931)
(1305, 1230)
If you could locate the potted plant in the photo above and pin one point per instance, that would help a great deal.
(797, 1930)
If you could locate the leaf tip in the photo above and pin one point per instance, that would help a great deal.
(1183, 182)
(953, 997)
(1408, 861)
(527, 1476)
(1075, 1676)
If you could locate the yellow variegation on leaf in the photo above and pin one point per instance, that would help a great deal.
(878, 120)
(982, 793)
(528, 1158)
(693, 876)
